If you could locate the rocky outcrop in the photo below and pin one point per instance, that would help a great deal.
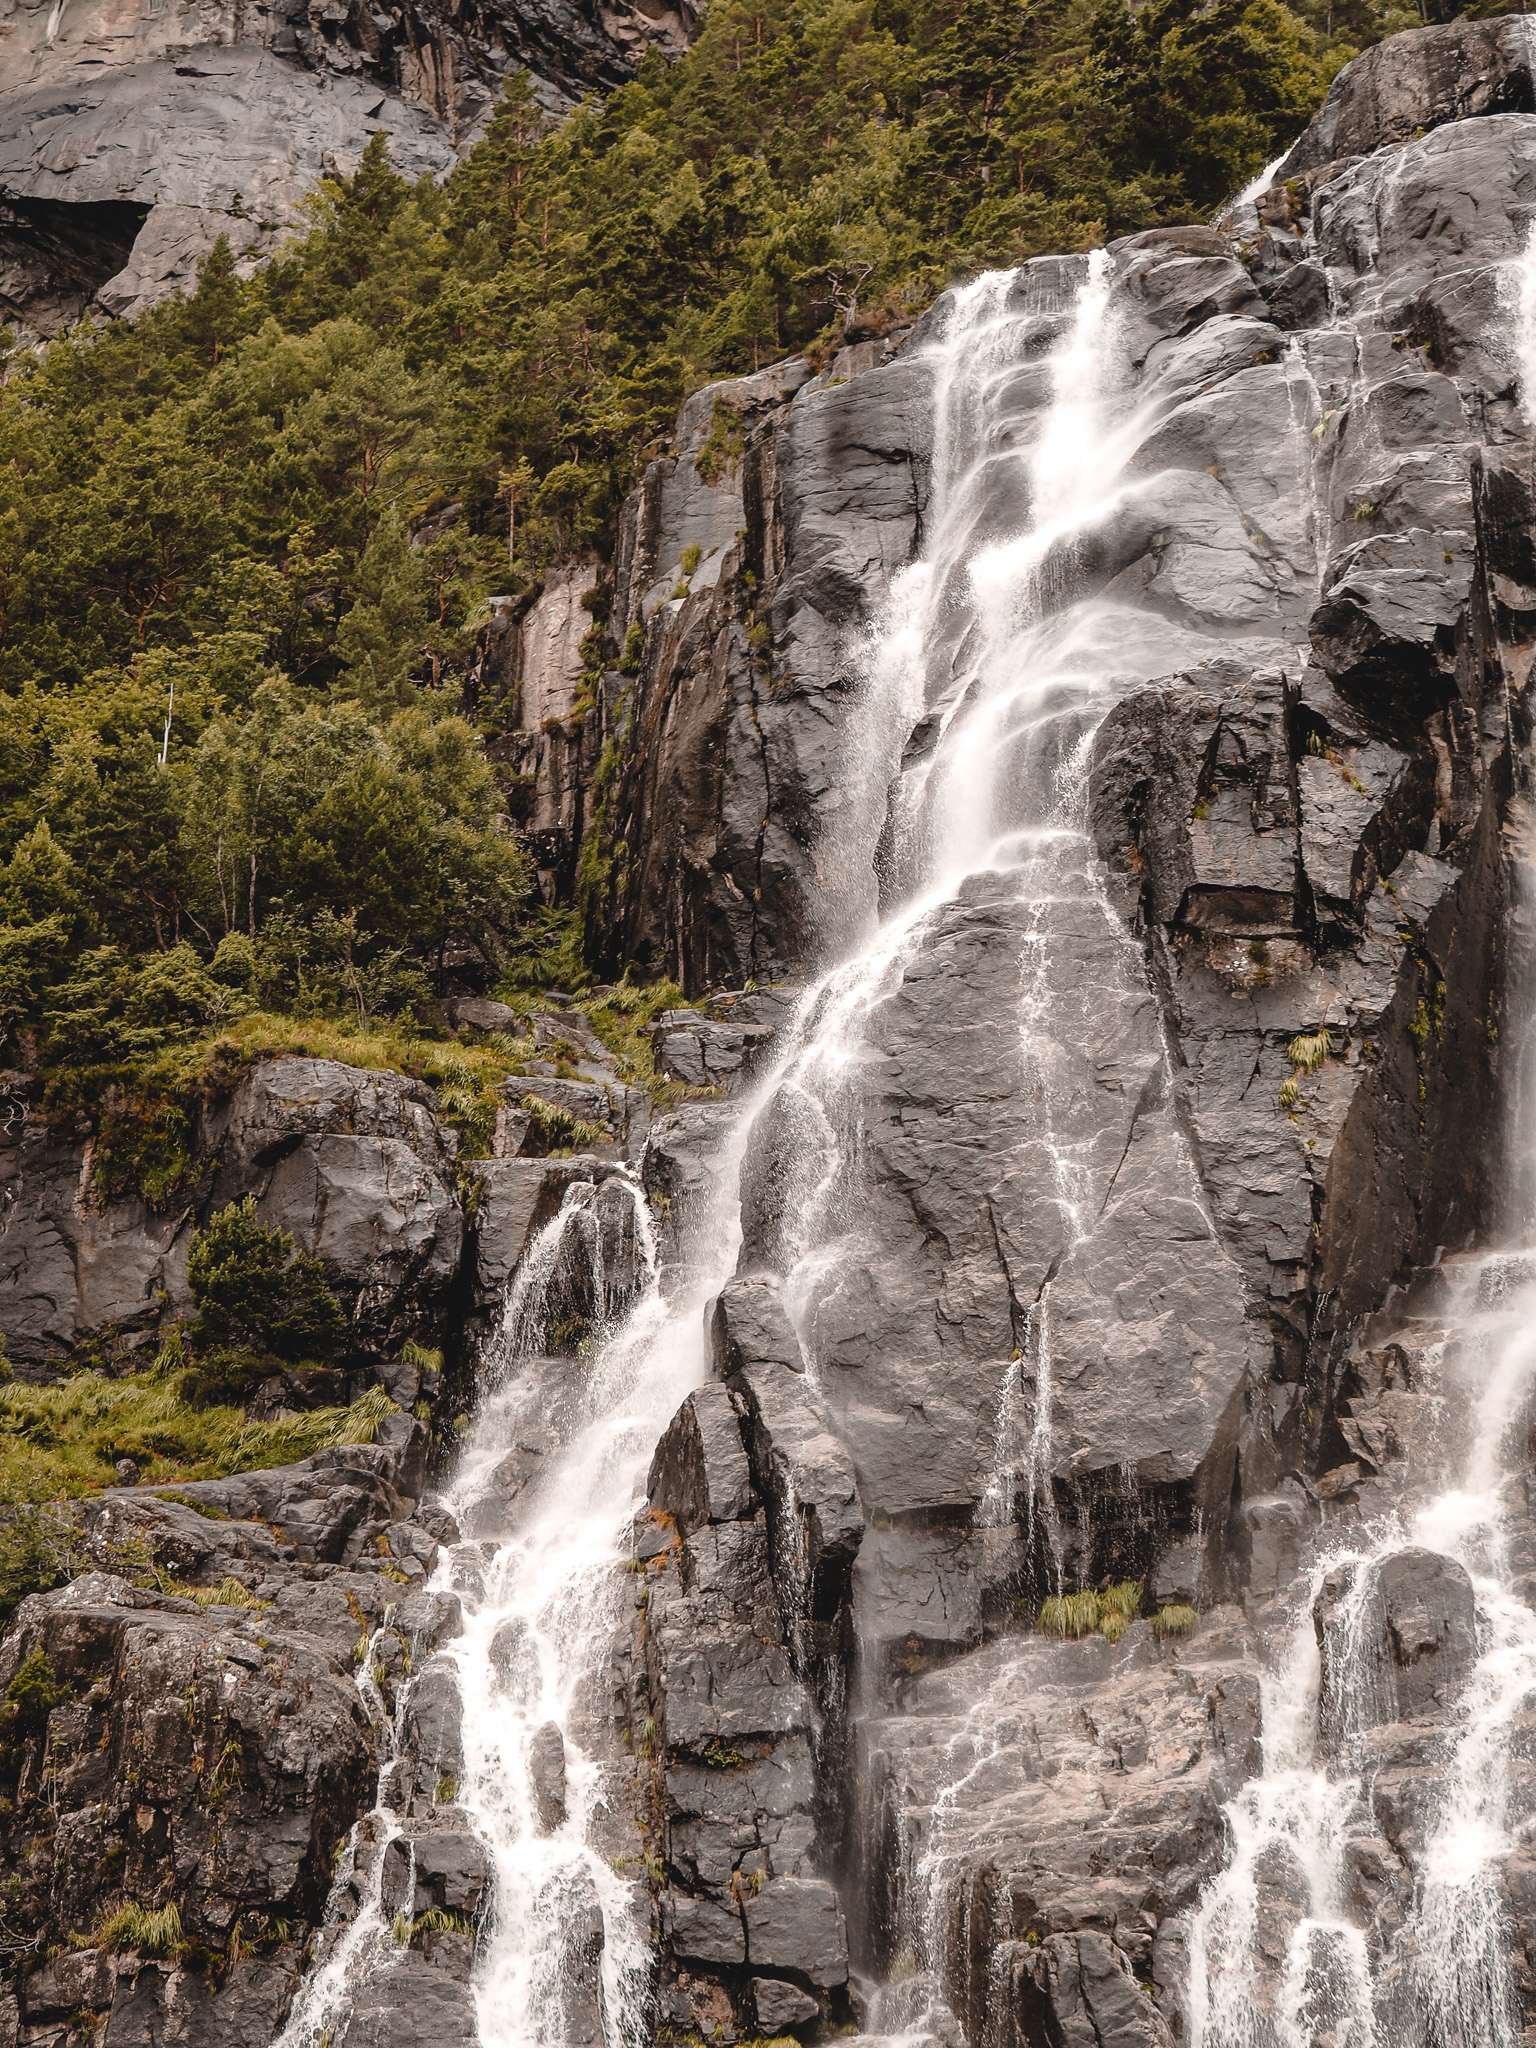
(132, 137)
(1261, 1067)
(210, 1728)
(355, 1165)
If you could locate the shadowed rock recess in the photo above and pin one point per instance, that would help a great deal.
(1009, 1519)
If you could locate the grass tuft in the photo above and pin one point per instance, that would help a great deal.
(1175, 1621)
(1069, 1614)
(1308, 1050)
(147, 1932)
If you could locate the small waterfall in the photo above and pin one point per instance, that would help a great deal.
(358, 1947)
(540, 1607)
(589, 1364)
(1281, 1955)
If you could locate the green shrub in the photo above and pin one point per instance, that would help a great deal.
(255, 1293)
(39, 1546)
(555, 1129)
(32, 1696)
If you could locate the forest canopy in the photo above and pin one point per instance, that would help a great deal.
(245, 544)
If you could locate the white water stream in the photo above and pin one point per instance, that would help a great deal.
(988, 651)
(1281, 1954)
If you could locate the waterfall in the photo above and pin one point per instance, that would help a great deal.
(996, 662)
(997, 656)
(596, 1355)
(1282, 1956)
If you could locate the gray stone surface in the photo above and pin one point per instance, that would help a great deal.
(130, 139)
(699, 1473)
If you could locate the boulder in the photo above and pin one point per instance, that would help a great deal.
(1410, 83)
(781, 2006)
(546, 1772)
(796, 1923)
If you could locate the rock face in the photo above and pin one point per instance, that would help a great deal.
(354, 1164)
(132, 136)
(1104, 1219)
(208, 1747)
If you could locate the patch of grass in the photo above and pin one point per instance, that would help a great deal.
(555, 1129)
(1175, 1621)
(1110, 1611)
(198, 1507)
(1308, 1051)
(436, 1921)
(622, 1021)
(146, 1932)
(61, 1442)
(1069, 1614)
(229, 1592)
(1123, 1599)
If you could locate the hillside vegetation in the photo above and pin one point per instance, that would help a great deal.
(234, 773)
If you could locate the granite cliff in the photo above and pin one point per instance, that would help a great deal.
(133, 134)
(1003, 1516)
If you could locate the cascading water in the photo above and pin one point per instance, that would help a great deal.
(984, 689)
(999, 659)
(1283, 1956)
(538, 1585)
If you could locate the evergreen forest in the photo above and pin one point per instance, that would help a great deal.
(246, 543)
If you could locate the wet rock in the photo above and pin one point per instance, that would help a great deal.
(1411, 83)
(1431, 1626)
(803, 1472)
(410, 2003)
(1079, 1989)
(434, 1714)
(699, 1473)
(702, 1930)
(702, 1052)
(1398, 1639)
(546, 1771)
(453, 1872)
(781, 2006)
(749, 1325)
(796, 1923)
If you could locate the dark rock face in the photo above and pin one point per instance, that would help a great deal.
(124, 154)
(355, 1165)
